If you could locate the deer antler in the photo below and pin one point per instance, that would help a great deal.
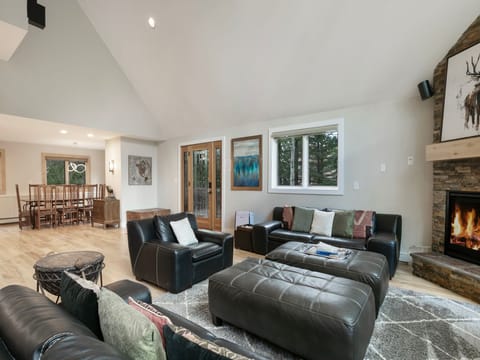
(474, 72)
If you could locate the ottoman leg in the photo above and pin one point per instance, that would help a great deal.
(217, 321)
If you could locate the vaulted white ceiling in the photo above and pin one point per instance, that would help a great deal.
(222, 62)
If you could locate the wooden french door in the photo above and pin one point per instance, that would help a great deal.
(202, 183)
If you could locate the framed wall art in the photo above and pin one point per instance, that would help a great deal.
(139, 170)
(246, 171)
(461, 108)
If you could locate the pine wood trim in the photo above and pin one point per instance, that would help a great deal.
(457, 149)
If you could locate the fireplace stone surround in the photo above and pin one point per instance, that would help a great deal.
(450, 175)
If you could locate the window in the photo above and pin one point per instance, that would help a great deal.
(66, 169)
(307, 159)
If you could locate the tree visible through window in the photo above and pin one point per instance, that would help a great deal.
(307, 158)
(66, 171)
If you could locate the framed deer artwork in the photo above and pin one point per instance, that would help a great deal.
(461, 107)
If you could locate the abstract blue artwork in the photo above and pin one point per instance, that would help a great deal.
(247, 163)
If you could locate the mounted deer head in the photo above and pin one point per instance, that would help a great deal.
(474, 73)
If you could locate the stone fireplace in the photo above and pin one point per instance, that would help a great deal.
(456, 171)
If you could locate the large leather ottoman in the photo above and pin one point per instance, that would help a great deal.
(364, 266)
(310, 314)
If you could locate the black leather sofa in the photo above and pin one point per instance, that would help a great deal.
(34, 327)
(385, 237)
(157, 257)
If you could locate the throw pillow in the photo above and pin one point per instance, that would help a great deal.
(127, 330)
(363, 223)
(343, 224)
(183, 344)
(322, 223)
(302, 219)
(287, 217)
(155, 316)
(79, 298)
(183, 232)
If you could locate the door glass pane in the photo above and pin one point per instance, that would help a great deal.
(185, 181)
(290, 160)
(323, 159)
(200, 183)
(55, 172)
(218, 183)
(77, 172)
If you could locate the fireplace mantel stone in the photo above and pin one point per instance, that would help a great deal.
(456, 275)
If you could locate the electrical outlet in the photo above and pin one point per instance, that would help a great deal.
(410, 160)
(356, 185)
(383, 167)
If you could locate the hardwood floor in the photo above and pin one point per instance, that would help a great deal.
(20, 249)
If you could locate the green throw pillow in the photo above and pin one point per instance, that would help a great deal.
(343, 224)
(302, 219)
(127, 330)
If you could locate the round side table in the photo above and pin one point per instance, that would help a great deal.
(49, 269)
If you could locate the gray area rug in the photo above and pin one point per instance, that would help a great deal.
(410, 325)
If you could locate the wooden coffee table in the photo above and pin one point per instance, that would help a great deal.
(49, 269)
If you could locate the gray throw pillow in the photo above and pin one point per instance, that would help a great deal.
(343, 224)
(127, 330)
(302, 219)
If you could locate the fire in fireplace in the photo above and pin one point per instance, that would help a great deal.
(462, 225)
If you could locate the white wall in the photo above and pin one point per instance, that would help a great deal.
(136, 196)
(374, 134)
(65, 73)
(23, 165)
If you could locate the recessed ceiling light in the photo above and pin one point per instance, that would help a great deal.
(90, 135)
(151, 22)
(63, 132)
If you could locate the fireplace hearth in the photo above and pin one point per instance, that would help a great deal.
(462, 226)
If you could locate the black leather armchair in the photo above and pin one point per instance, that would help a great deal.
(158, 258)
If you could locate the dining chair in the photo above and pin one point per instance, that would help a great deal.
(68, 207)
(24, 216)
(44, 205)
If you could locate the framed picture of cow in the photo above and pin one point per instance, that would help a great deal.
(461, 107)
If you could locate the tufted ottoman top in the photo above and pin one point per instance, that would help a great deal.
(295, 288)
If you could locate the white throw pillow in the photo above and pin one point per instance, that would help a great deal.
(322, 223)
(183, 232)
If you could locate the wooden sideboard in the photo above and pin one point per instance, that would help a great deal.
(106, 212)
(146, 213)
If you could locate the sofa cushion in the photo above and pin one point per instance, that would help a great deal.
(287, 217)
(204, 250)
(163, 230)
(343, 224)
(183, 232)
(154, 315)
(322, 222)
(281, 235)
(363, 225)
(127, 330)
(79, 298)
(302, 219)
(183, 344)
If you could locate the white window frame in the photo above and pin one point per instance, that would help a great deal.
(273, 186)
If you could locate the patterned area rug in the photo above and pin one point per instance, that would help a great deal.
(410, 325)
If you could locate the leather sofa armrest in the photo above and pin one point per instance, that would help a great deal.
(169, 265)
(216, 237)
(260, 235)
(389, 223)
(225, 240)
(386, 243)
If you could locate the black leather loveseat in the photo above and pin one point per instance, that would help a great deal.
(158, 258)
(33, 327)
(384, 237)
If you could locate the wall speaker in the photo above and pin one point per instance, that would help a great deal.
(36, 14)
(425, 90)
